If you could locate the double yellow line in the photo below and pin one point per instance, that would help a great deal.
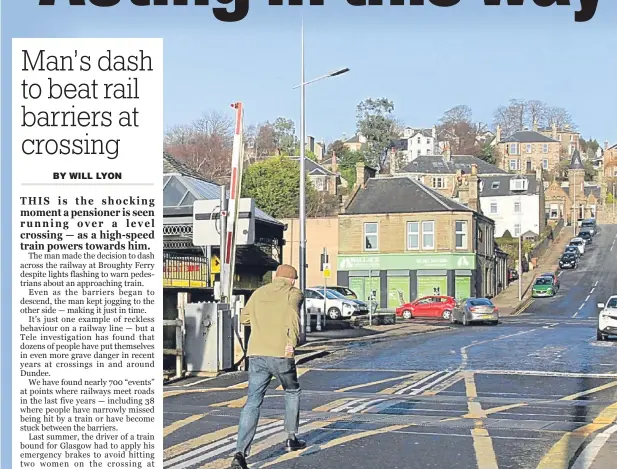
(522, 309)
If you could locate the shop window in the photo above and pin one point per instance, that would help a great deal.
(371, 236)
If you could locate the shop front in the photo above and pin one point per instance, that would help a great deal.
(394, 279)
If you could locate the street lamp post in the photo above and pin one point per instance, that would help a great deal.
(304, 324)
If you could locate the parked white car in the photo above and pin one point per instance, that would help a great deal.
(336, 307)
(607, 319)
(579, 243)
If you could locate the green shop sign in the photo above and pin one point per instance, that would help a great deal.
(408, 261)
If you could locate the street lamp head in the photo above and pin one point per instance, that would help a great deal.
(336, 73)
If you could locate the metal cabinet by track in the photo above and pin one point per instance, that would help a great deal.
(209, 337)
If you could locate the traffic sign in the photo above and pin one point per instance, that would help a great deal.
(326, 271)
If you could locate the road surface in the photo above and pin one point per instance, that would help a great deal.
(535, 392)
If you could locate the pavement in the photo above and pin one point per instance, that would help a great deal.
(507, 301)
(534, 392)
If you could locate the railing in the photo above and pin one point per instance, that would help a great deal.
(549, 237)
(185, 271)
(179, 324)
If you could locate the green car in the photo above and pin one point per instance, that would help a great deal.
(543, 286)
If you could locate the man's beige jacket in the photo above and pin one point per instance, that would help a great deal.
(273, 312)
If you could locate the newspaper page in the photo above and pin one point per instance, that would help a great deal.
(87, 252)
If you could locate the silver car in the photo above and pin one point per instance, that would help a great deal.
(475, 310)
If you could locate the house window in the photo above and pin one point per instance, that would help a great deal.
(428, 235)
(545, 164)
(513, 165)
(513, 149)
(517, 207)
(529, 148)
(554, 211)
(371, 236)
(545, 148)
(493, 207)
(517, 230)
(413, 235)
(428, 151)
(319, 184)
(428, 141)
(495, 185)
(461, 234)
(438, 183)
(559, 137)
(571, 138)
(419, 140)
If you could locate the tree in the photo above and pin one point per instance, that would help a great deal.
(204, 145)
(285, 138)
(346, 163)
(609, 198)
(590, 170)
(274, 184)
(559, 117)
(458, 121)
(510, 118)
(377, 124)
(520, 113)
(488, 153)
(338, 147)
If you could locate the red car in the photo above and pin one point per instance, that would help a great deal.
(428, 307)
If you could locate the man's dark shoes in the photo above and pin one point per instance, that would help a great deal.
(293, 444)
(239, 462)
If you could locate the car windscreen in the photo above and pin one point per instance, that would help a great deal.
(480, 302)
(331, 296)
(544, 281)
(612, 303)
(575, 243)
(567, 257)
(587, 224)
(337, 294)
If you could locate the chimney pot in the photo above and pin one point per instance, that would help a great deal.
(606, 144)
(334, 167)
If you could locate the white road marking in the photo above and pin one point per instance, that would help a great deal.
(587, 299)
(194, 383)
(199, 455)
(588, 456)
(592, 290)
(596, 284)
(348, 405)
(417, 391)
(422, 381)
(555, 374)
(355, 410)
(559, 274)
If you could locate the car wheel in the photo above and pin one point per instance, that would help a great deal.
(407, 314)
(465, 320)
(446, 314)
(494, 323)
(601, 337)
(334, 313)
(452, 320)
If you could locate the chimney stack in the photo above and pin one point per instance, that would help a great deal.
(447, 154)
(606, 144)
(473, 201)
(498, 134)
(554, 131)
(333, 166)
(360, 175)
(393, 161)
(535, 125)
(434, 133)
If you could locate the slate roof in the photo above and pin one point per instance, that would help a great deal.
(400, 194)
(182, 186)
(527, 136)
(428, 164)
(313, 168)
(499, 186)
(354, 139)
(174, 166)
(595, 190)
(424, 132)
(576, 162)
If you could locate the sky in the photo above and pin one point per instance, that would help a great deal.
(426, 59)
